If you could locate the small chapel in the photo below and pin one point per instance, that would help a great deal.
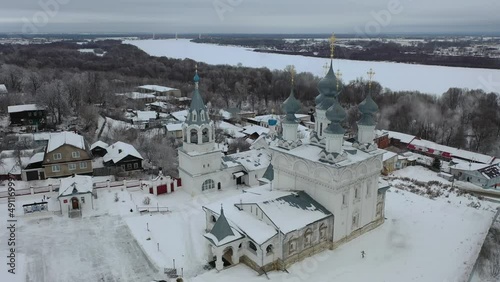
(322, 191)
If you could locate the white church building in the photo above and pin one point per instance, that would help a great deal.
(323, 190)
(202, 165)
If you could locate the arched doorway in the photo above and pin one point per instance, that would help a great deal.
(218, 186)
(74, 203)
(227, 256)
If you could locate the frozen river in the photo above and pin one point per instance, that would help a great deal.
(396, 76)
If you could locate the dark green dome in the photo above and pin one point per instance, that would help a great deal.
(326, 102)
(291, 106)
(319, 99)
(328, 84)
(196, 78)
(336, 113)
(368, 106)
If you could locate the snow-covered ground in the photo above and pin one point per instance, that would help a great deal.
(396, 76)
(422, 240)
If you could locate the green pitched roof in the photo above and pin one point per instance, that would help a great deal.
(221, 228)
(269, 173)
(197, 106)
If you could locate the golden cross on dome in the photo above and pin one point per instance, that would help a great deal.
(371, 74)
(332, 45)
(292, 72)
(326, 67)
(339, 76)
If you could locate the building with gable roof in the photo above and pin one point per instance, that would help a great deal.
(75, 195)
(66, 154)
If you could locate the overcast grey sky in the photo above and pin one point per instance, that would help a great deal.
(251, 16)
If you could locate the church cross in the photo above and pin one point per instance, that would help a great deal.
(326, 67)
(332, 45)
(339, 76)
(292, 72)
(371, 74)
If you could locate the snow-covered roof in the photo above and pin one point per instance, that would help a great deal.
(12, 165)
(467, 166)
(65, 138)
(279, 206)
(3, 89)
(388, 155)
(36, 158)
(23, 108)
(138, 95)
(180, 115)
(454, 152)
(119, 150)
(312, 153)
(251, 129)
(157, 88)
(230, 129)
(173, 127)
(490, 172)
(403, 137)
(251, 160)
(77, 184)
(99, 144)
(144, 115)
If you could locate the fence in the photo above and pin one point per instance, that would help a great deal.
(51, 188)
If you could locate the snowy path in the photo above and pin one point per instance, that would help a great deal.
(88, 249)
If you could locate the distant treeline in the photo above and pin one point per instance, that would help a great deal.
(363, 50)
(69, 82)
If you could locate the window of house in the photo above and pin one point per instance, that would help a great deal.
(355, 221)
(292, 246)
(252, 247)
(71, 166)
(194, 116)
(123, 167)
(83, 200)
(75, 154)
(322, 231)
(269, 249)
(207, 185)
(344, 199)
(57, 156)
(56, 168)
(213, 218)
(83, 165)
(136, 165)
(129, 166)
(308, 238)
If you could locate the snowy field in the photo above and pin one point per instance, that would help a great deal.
(396, 76)
(422, 240)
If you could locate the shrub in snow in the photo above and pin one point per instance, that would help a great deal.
(146, 200)
(116, 197)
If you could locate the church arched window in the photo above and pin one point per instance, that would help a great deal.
(322, 231)
(308, 238)
(194, 116)
(207, 185)
(204, 135)
(194, 136)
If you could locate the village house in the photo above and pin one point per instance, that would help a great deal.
(124, 156)
(139, 97)
(173, 130)
(66, 154)
(75, 195)
(482, 175)
(161, 92)
(27, 115)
